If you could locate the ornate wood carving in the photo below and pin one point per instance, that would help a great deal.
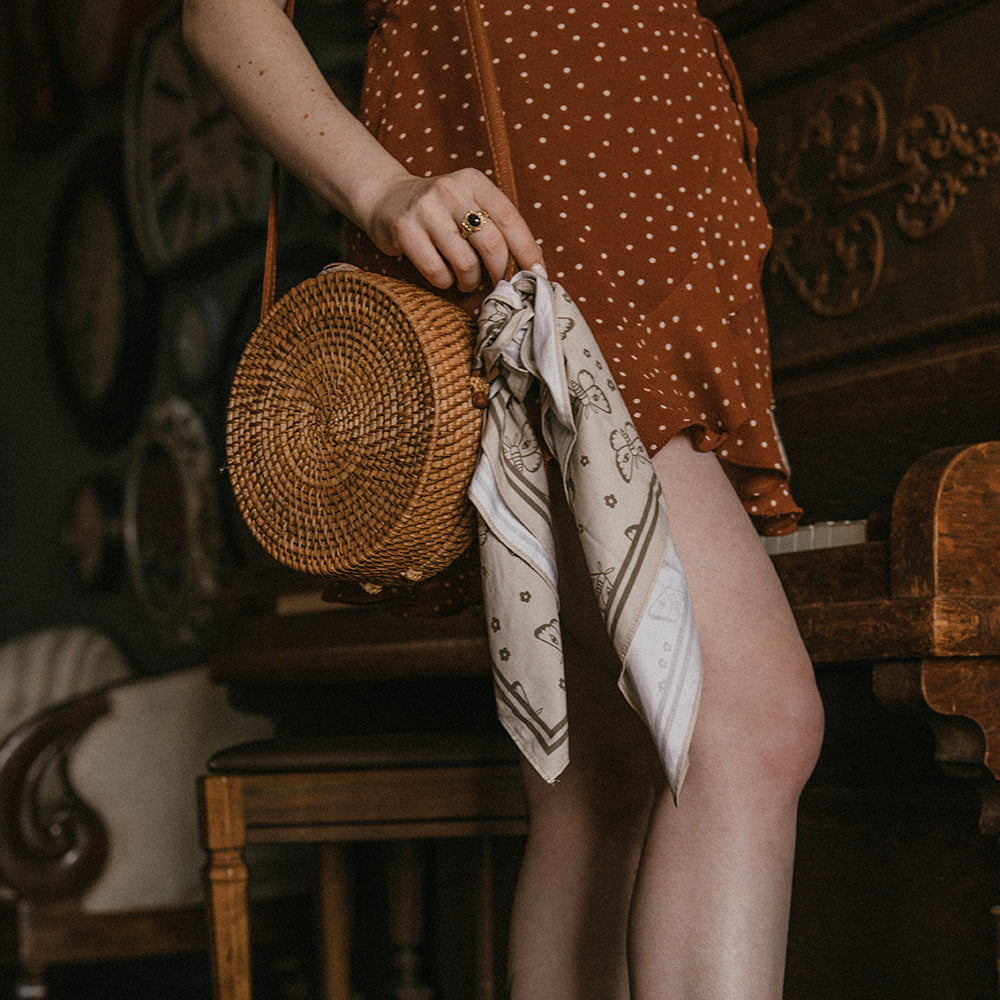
(828, 230)
(49, 850)
(958, 699)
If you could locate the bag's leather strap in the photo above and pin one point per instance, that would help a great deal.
(489, 92)
(496, 131)
(271, 246)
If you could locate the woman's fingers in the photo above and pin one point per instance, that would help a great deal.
(458, 228)
(440, 253)
(429, 252)
(504, 235)
(491, 248)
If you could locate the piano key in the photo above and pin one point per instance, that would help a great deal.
(822, 535)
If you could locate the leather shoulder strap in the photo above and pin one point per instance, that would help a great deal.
(489, 93)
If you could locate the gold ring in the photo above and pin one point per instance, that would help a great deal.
(473, 222)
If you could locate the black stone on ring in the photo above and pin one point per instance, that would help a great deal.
(473, 222)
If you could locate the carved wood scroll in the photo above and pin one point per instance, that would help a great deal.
(50, 847)
(828, 210)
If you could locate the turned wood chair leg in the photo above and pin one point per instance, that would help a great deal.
(995, 911)
(406, 876)
(485, 956)
(335, 921)
(225, 877)
(30, 982)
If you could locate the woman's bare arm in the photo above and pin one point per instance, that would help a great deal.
(257, 59)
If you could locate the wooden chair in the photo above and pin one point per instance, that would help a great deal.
(330, 793)
(99, 852)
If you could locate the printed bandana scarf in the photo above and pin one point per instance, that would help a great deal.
(530, 330)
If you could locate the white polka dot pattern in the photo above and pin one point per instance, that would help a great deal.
(634, 162)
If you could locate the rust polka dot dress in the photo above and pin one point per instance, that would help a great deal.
(635, 171)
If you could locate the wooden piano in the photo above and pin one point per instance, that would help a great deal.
(879, 161)
(908, 614)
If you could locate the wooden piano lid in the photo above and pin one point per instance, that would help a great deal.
(931, 589)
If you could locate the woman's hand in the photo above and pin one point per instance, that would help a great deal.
(421, 218)
(271, 80)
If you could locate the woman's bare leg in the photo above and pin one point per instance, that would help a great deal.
(709, 909)
(711, 902)
(571, 909)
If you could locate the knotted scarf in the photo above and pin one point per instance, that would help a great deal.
(531, 332)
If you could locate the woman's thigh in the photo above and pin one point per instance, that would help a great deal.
(759, 699)
(759, 696)
(612, 758)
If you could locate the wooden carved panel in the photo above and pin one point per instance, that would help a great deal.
(829, 241)
(881, 174)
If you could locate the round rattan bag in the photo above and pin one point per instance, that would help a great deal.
(351, 433)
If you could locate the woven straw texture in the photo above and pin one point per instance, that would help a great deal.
(351, 435)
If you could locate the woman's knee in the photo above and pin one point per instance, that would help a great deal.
(768, 741)
(787, 752)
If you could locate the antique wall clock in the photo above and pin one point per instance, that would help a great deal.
(193, 173)
(171, 524)
(98, 298)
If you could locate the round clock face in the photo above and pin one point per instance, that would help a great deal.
(103, 345)
(171, 524)
(193, 172)
(94, 290)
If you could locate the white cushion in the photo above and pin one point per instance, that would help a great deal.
(51, 665)
(138, 767)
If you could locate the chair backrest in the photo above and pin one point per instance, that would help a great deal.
(51, 665)
(136, 766)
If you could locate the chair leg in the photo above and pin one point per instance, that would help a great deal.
(30, 983)
(484, 955)
(225, 876)
(996, 917)
(335, 920)
(407, 862)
